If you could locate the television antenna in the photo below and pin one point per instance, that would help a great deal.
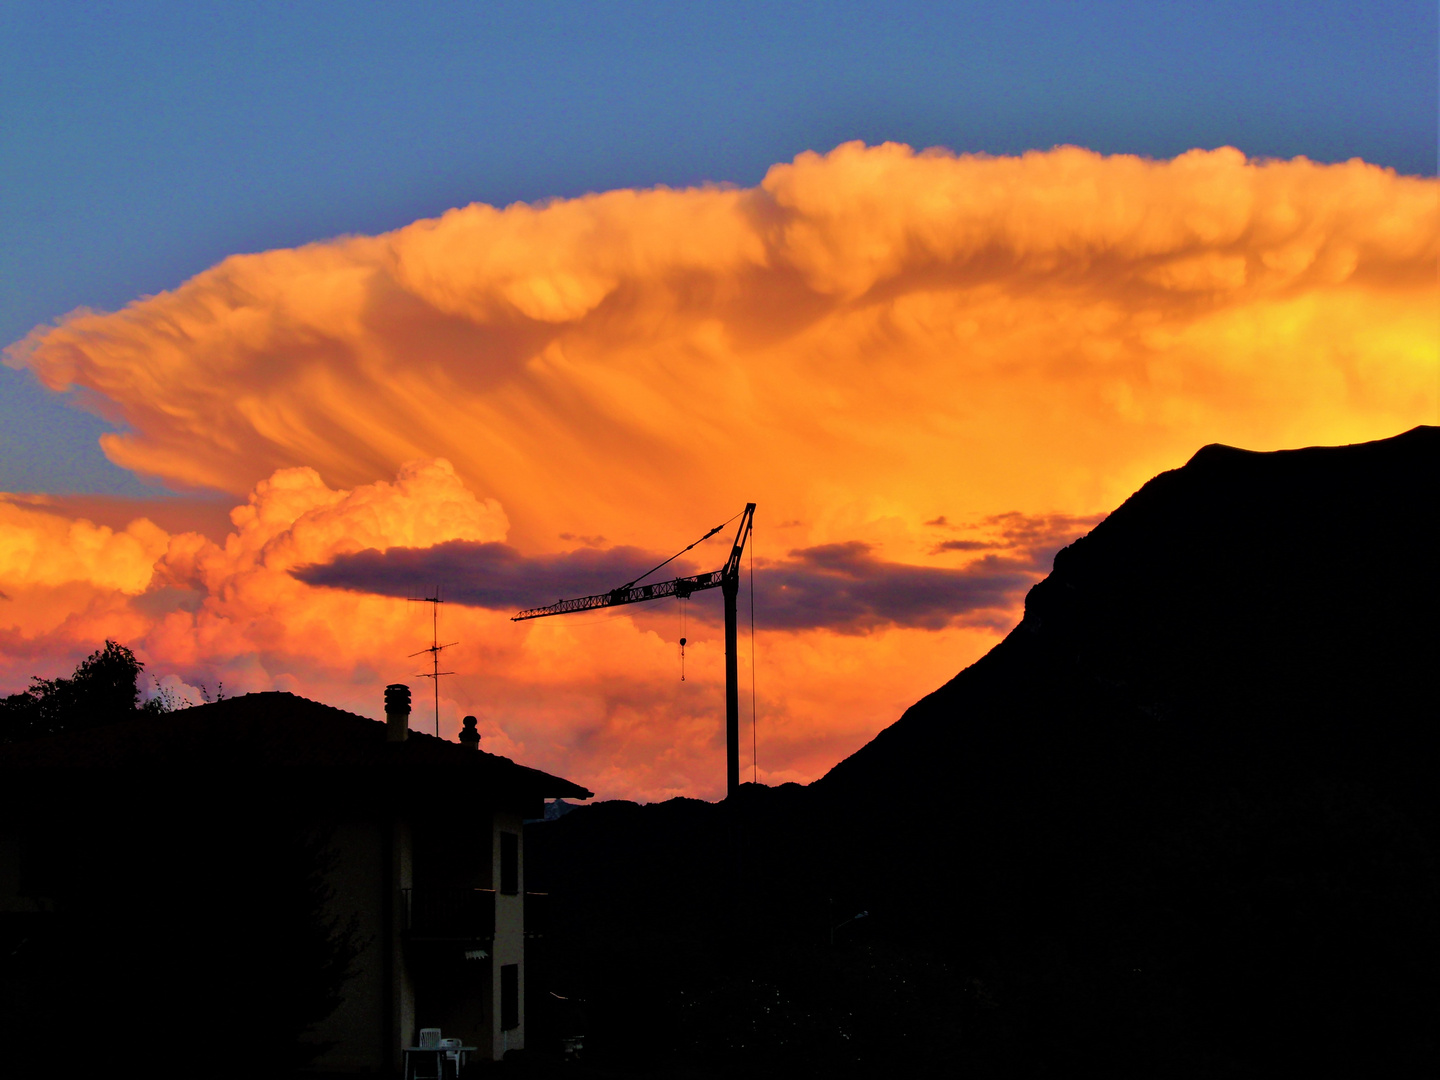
(434, 674)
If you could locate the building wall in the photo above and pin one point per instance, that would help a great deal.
(22, 891)
(403, 1030)
(452, 851)
(377, 1014)
(358, 1026)
(12, 901)
(397, 990)
(509, 935)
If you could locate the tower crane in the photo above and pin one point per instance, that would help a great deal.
(727, 580)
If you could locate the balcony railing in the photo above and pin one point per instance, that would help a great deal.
(455, 914)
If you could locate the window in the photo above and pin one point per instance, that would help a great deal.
(509, 863)
(509, 996)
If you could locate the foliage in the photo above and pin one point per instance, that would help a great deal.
(104, 689)
(193, 902)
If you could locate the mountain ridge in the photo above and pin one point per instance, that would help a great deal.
(1180, 821)
(1047, 603)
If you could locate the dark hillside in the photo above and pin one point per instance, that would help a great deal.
(1182, 821)
(1254, 600)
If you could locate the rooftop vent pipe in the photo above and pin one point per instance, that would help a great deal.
(397, 712)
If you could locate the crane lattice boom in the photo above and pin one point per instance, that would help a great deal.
(727, 580)
(632, 594)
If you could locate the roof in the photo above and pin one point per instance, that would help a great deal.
(275, 731)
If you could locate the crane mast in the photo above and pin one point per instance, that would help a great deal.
(727, 580)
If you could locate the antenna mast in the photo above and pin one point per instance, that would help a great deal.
(434, 673)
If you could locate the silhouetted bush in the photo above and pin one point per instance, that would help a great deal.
(104, 689)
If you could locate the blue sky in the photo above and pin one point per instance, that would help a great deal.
(141, 143)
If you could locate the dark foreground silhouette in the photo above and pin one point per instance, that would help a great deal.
(1181, 822)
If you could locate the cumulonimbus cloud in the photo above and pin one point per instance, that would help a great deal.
(872, 321)
(888, 351)
(308, 592)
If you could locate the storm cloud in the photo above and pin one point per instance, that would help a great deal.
(927, 370)
(491, 575)
(846, 587)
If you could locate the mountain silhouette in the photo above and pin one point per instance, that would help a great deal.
(1181, 821)
(1276, 603)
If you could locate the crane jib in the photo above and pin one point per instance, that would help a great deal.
(727, 579)
(681, 587)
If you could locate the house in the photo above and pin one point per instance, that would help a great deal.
(424, 866)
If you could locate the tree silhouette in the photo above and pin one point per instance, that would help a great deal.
(104, 689)
(189, 897)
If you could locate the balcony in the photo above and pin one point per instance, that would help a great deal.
(449, 914)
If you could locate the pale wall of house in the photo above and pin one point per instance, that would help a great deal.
(509, 936)
(369, 1040)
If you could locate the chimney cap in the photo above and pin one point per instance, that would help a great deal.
(469, 737)
(397, 712)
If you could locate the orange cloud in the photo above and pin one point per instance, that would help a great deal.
(599, 696)
(869, 341)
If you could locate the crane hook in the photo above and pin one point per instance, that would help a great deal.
(682, 638)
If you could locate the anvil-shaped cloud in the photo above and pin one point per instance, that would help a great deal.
(887, 351)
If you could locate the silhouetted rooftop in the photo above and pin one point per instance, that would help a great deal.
(273, 731)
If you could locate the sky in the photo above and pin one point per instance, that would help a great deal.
(311, 308)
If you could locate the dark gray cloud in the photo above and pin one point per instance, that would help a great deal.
(844, 587)
(487, 575)
(964, 545)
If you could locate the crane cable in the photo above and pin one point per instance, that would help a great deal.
(647, 573)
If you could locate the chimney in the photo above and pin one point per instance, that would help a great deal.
(397, 712)
(469, 737)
